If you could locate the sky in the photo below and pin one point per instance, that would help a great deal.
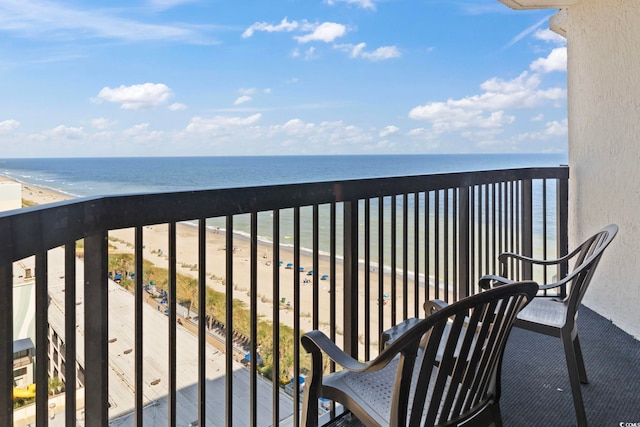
(89, 78)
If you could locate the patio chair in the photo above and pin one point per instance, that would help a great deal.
(442, 370)
(558, 316)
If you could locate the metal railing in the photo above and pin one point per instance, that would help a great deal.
(377, 248)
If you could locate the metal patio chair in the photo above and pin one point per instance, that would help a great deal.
(443, 370)
(558, 316)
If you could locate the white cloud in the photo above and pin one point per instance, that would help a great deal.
(283, 26)
(242, 99)
(266, 90)
(65, 132)
(177, 106)
(102, 123)
(549, 36)
(203, 125)
(364, 4)
(10, 125)
(552, 129)
(325, 32)
(538, 118)
(140, 133)
(136, 97)
(47, 19)
(380, 54)
(556, 61)
(249, 91)
(527, 31)
(388, 130)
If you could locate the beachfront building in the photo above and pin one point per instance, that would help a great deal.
(10, 196)
(603, 38)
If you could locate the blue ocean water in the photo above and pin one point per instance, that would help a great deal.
(108, 176)
(102, 176)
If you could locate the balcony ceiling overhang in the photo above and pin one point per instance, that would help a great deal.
(539, 4)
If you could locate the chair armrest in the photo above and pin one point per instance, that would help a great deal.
(434, 305)
(489, 281)
(316, 342)
(396, 331)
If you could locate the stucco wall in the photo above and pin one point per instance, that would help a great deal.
(603, 41)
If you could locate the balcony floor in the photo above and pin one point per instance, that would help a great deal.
(535, 384)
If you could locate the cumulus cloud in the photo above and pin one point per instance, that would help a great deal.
(65, 132)
(388, 130)
(242, 99)
(556, 61)
(141, 133)
(101, 123)
(177, 106)
(10, 125)
(136, 97)
(325, 32)
(380, 54)
(551, 129)
(283, 26)
(204, 125)
(549, 36)
(487, 110)
(364, 4)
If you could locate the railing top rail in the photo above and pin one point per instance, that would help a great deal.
(37, 228)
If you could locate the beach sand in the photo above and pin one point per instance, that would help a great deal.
(155, 241)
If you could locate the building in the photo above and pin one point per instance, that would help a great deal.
(603, 65)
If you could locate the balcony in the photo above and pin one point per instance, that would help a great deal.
(165, 301)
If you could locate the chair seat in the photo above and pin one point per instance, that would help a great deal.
(544, 311)
(372, 391)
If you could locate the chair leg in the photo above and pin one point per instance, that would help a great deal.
(497, 415)
(581, 369)
(574, 380)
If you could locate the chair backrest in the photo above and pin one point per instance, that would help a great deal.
(587, 257)
(449, 366)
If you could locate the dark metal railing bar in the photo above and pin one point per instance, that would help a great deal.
(427, 246)
(275, 373)
(367, 279)
(501, 222)
(454, 244)
(394, 260)
(436, 243)
(96, 330)
(494, 234)
(526, 215)
(171, 301)
(487, 228)
(229, 321)
(316, 267)
(296, 315)
(405, 256)
(446, 265)
(562, 228)
(42, 322)
(6, 334)
(350, 303)
(138, 328)
(380, 269)
(332, 287)
(464, 272)
(479, 231)
(70, 332)
(545, 254)
(472, 236)
(253, 322)
(202, 315)
(416, 254)
(512, 214)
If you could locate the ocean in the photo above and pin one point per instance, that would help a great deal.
(109, 176)
(103, 176)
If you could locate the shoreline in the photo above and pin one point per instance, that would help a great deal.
(155, 241)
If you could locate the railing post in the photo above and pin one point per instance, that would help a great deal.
(6, 332)
(96, 321)
(351, 278)
(464, 251)
(527, 226)
(562, 228)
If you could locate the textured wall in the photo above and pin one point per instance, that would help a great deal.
(603, 40)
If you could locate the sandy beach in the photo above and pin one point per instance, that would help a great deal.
(156, 247)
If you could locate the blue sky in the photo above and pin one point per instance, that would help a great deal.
(219, 77)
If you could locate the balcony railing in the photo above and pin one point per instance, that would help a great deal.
(377, 248)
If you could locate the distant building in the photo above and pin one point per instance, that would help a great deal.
(10, 196)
